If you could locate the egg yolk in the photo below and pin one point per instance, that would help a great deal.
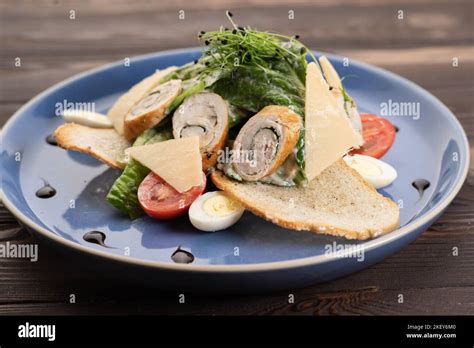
(220, 205)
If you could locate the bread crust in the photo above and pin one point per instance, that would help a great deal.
(66, 134)
(230, 186)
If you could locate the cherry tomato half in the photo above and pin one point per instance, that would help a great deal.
(379, 135)
(162, 201)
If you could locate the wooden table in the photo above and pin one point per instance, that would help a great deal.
(421, 47)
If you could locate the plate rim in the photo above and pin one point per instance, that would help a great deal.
(370, 245)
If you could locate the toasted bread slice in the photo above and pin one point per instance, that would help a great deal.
(338, 202)
(104, 144)
(139, 91)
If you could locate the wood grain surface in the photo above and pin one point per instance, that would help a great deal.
(421, 47)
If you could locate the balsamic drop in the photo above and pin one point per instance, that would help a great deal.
(421, 185)
(47, 191)
(182, 256)
(95, 237)
(396, 129)
(51, 140)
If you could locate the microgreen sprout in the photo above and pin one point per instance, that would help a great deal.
(248, 47)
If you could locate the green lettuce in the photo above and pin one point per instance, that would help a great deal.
(123, 193)
(253, 88)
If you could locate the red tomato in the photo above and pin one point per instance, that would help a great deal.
(161, 201)
(379, 135)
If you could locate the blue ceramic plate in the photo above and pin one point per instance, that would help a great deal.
(252, 255)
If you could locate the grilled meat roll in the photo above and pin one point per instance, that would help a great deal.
(265, 141)
(207, 116)
(149, 111)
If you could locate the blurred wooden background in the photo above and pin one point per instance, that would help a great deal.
(420, 47)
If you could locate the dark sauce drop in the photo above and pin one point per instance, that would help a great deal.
(421, 185)
(396, 129)
(47, 191)
(95, 237)
(51, 140)
(182, 256)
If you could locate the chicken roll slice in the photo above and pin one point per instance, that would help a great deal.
(265, 141)
(205, 115)
(149, 111)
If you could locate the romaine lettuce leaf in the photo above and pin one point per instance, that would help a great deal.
(123, 193)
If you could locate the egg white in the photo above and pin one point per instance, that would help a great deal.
(211, 223)
(87, 118)
(387, 176)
